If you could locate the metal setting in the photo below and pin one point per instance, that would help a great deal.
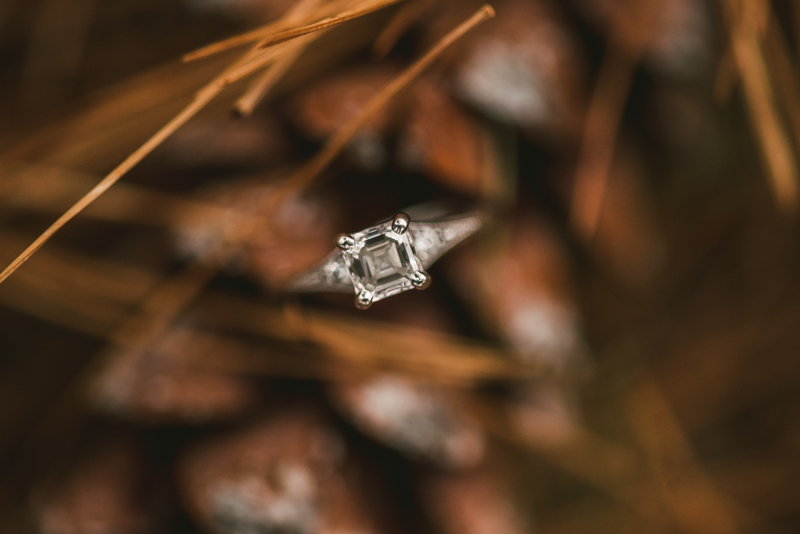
(364, 300)
(400, 223)
(420, 279)
(345, 243)
(388, 258)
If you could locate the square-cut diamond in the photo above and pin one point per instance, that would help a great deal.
(381, 261)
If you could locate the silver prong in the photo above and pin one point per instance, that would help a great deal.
(420, 279)
(345, 242)
(364, 299)
(400, 223)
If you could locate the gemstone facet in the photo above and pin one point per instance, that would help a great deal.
(382, 262)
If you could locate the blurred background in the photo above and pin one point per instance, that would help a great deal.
(616, 352)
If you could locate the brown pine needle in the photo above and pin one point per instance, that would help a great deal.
(325, 23)
(203, 97)
(788, 84)
(344, 135)
(775, 146)
(603, 118)
(258, 90)
(275, 28)
(262, 56)
(233, 42)
(298, 14)
(259, 60)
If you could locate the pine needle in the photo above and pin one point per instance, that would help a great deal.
(745, 25)
(280, 27)
(604, 116)
(787, 82)
(260, 59)
(258, 90)
(603, 119)
(330, 22)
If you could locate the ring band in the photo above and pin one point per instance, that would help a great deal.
(388, 258)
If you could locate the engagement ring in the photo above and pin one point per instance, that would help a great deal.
(388, 258)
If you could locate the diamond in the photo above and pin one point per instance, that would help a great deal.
(382, 262)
